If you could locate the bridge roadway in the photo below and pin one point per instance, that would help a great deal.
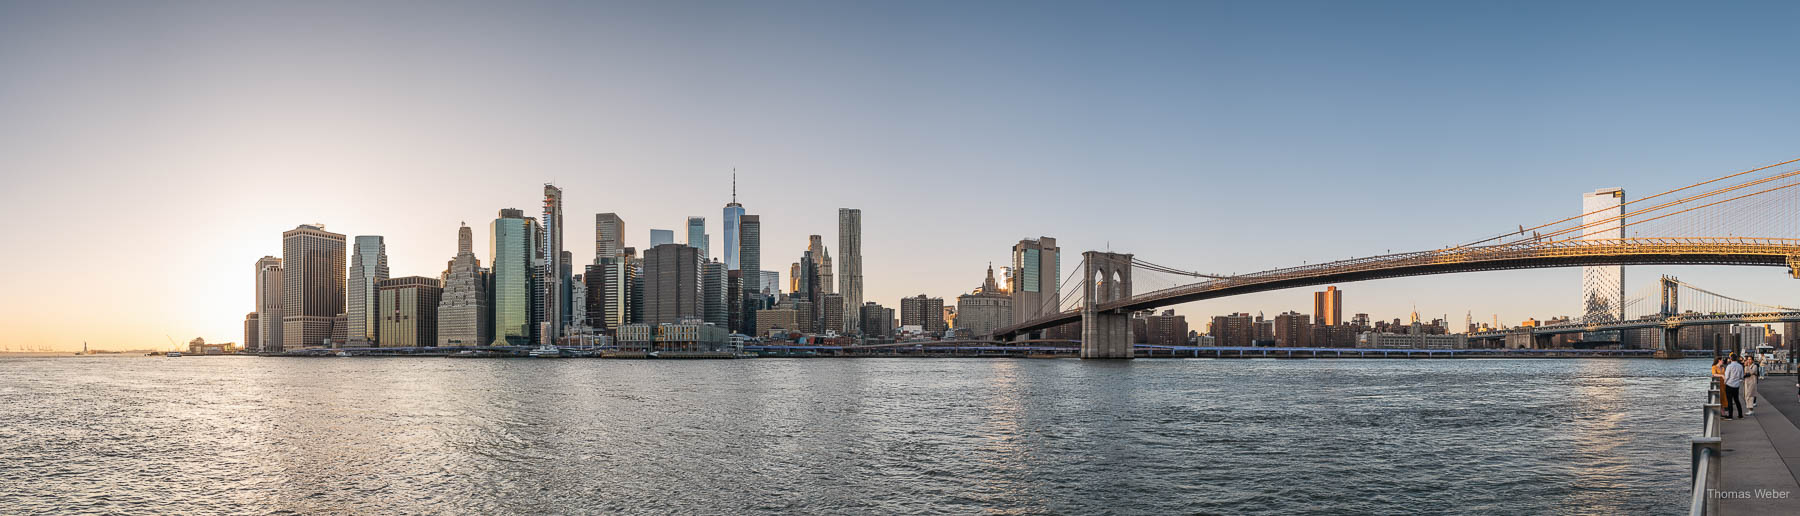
(1526, 255)
(1668, 323)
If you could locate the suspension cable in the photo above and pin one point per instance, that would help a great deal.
(1523, 229)
(1627, 216)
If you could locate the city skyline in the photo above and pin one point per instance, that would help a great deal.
(1401, 159)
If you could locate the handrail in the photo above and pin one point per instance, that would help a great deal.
(1706, 466)
(1704, 471)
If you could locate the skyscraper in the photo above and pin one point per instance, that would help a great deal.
(554, 268)
(672, 284)
(612, 288)
(832, 316)
(566, 271)
(660, 237)
(770, 283)
(512, 244)
(750, 268)
(368, 266)
(463, 315)
(593, 289)
(850, 272)
(1603, 287)
(713, 283)
(635, 301)
(252, 331)
(578, 301)
(312, 285)
(609, 236)
(697, 237)
(408, 311)
(1328, 306)
(822, 257)
(1036, 272)
(734, 218)
(268, 305)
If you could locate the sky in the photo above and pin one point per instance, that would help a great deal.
(152, 151)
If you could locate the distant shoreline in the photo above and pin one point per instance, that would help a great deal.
(27, 354)
(142, 354)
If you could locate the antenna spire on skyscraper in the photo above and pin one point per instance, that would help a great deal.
(733, 184)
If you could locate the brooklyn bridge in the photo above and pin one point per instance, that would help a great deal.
(1747, 218)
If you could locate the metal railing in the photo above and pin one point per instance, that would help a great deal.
(1706, 467)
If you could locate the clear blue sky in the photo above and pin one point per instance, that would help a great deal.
(153, 150)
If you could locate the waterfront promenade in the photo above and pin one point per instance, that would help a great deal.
(1761, 459)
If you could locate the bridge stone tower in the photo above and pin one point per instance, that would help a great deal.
(1670, 346)
(1107, 278)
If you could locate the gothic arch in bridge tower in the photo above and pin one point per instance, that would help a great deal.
(1105, 333)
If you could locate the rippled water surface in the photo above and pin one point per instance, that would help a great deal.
(844, 436)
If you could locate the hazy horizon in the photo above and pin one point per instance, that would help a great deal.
(154, 151)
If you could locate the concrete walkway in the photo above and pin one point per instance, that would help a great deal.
(1761, 462)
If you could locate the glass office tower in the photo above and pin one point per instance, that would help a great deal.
(697, 237)
(512, 242)
(368, 266)
(734, 217)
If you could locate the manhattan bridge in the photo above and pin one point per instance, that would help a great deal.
(1747, 218)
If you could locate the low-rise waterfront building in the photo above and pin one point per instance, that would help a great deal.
(782, 319)
(199, 346)
(689, 335)
(635, 337)
(693, 335)
(1374, 340)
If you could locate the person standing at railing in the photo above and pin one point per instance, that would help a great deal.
(1718, 374)
(1734, 383)
(1751, 368)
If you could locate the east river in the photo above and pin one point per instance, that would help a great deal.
(844, 436)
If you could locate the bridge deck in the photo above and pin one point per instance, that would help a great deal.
(1762, 452)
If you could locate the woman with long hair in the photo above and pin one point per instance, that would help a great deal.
(1718, 374)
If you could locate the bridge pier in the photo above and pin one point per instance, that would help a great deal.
(1670, 343)
(1105, 333)
(1670, 346)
